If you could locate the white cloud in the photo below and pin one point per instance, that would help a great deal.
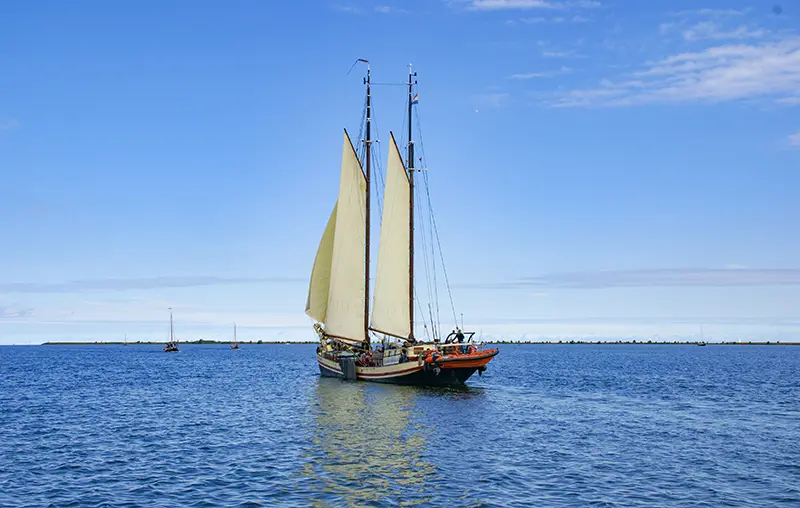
(498, 5)
(664, 28)
(347, 8)
(794, 140)
(712, 12)
(562, 54)
(14, 312)
(558, 19)
(711, 30)
(388, 9)
(545, 74)
(769, 70)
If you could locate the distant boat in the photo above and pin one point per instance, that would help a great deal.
(172, 345)
(234, 344)
(702, 342)
(338, 293)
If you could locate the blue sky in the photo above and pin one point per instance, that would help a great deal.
(598, 169)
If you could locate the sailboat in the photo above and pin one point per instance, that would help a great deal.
(172, 345)
(339, 289)
(234, 344)
(702, 342)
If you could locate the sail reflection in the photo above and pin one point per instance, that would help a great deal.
(365, 446)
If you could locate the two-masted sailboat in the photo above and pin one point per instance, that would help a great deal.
(339, 290)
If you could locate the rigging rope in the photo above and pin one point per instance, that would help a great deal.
(425, 258)
(433, 222)
(375, 158)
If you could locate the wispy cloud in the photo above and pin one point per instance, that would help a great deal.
(381, 9)
(11, 312)
(348, 9)
(713, 31)
(769, 70)
(499, 5)
(712, 24)
(794, 140)
(556, 20)
(9, 125)
(562, 54)
(78, 286)
(712, 12)
(388, 9)
(544, 74)
(658, 277)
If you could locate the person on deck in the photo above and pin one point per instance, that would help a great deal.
(460, 339)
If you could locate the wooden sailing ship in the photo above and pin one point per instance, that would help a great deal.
(339, 290)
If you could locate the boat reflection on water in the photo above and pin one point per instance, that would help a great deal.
(366, 448)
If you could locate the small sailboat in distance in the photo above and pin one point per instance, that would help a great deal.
(702, 342)
(339, 289)
(172, 345)
(234, 344)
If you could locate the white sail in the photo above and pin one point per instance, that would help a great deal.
(344, 312)
(320, 285)
(390, 311)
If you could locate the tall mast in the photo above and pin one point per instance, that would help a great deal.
(367, 142)
(411, 75)
(170, 325)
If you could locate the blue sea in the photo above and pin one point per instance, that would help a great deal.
(550, 425)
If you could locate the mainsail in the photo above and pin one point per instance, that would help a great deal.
(336, 292)
(390, 311)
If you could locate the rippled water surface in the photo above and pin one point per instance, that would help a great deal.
(545, 426)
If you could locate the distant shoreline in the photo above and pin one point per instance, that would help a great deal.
(161, 343)
(539, 343)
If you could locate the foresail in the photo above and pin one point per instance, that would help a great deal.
(319, 287)
(345, 309)
(390, 311)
